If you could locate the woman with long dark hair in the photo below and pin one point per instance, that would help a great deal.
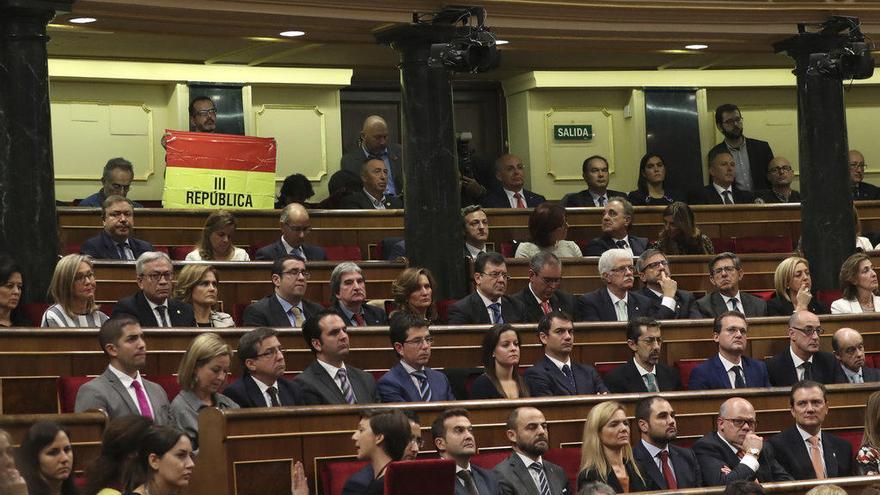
(501, 354)
(651, 189)
(119, 446)
(46, 460)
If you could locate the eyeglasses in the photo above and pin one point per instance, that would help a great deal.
(418, 342)
(79, 277)
(120, 187)
(623, 269)
(157, 276)
(776, 170)
(272, 352)
(205, 113)
(809, 331)
(503, 275)
(656, 264)
(296, 272)
(733, 121)
(739, 423)
(723, 269)
(297, 228)
(859, 165)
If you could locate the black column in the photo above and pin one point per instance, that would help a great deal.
(434, 236)
(28, 226)
(827, 229)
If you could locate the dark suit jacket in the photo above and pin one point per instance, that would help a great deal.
(792, 454)
(601, 244)
(769, 197)
(709, 196)
(497, 198)
(359, 482)
(760, 155)
(180, 313)
(353, 161)
(246, 393)
(640, 198)
(360, 201)
(515, 479)
(102, 247)
(596, 306)
(778, 306)
(712, 454)
(865, 191)
(712, 305)
(636, 484)
(472, 311)
(276, 250)
(782, 372)
(711, 375)
(485, 480)
(684, 466)
(267, 312)
(685, 305)
(545, 379)
(868, 374)
(373, 316)
(626, 379)
(397, 386)
(531, 310)
(583, 198)
(319, 388)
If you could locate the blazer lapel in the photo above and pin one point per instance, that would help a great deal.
(146, 314)
(276, 313)
(123, 393)
(522, 473)
(328, 383)
(607, 306)
(644, 459)
(359, 387)
(557, 374)
(253, 392)
(718, 305)
(634, 377)
(406, 381)
(830, 455)
(720, 372)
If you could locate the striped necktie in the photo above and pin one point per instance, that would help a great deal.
(424, 386)
(345, 386)
(542, 477)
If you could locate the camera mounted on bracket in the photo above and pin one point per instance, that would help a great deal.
(472, 50)
(851, 60)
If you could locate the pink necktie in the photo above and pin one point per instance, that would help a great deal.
(545, 307)
(143, 403)
(519, 200)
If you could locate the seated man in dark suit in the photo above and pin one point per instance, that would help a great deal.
(476, 230)
(454, 439)
(527, 431)
(263, 383)
(373, 143)
(862, 191)
(542, 294)
(557, 374)
(752, 156)
(295, 226)
(802, 360)
(725, 273)
(722, 189)
(411, 380)
(487, 304)
(329, 380)
(849, 349)
(595, 172)
(115, 241)
(359, 482)
(734, 451)
(116, 180)
(730, 368)
(618, 217)
(121, 390)
(643, 372)
(664, 465)
(669, 301)
(350, 293)
(780, 174)
(286, 306)
(615, 301)
(510, 171)
(152, 306)
(374, 175)
(804, 450)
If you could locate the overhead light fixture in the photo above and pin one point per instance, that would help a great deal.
(696, 46)
(501, 42)
(82, 20)
(292, 34)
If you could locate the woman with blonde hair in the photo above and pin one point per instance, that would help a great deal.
(198, 286)
(11, 481)
(202, 375)
(216, 241)
(792, 282)
(606, 454)
(680, 234)
(73, 290)
(868, 456)
(858, 280)
(413, 292)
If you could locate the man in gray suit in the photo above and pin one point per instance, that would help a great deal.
(120, 390)
(329, 380)
(524, 472)
(725, 273)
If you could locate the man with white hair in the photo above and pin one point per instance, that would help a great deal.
(350, 297)
(615, 301)
(152, 306)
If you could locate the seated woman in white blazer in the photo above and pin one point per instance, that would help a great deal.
(859, 283)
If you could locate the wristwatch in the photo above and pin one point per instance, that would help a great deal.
(754, 451)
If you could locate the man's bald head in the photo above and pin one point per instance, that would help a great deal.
(375, 134)
(849, 348)
(856, 166)
(780, 172)
(295, 224)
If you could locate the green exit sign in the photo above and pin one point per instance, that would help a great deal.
(573, 132)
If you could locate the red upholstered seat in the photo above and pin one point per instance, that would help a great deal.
(763, 294)
(854, 437)
(428, 477)
(722, 244)
(443, 310)
(762, 244)
(162, 249)
(606, 366)
(685, 366)
(507, 249)
(238, 313)
(685, 442)
(71, 249)
(827, 297)
(68, 386)
(178, 253)
(569, 459)
(107, 309)
(34, 312)
(491, 458)
(377, 374)
(872, 358)
(343, 253)
(168, 383)
(334, 474)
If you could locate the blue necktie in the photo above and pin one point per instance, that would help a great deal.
(542, 478)
(566, 370)
(424, 386)
(496, 313)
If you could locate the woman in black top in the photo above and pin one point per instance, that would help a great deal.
(680, 234)
(501, 379)
(651, 188)
(10, 294)
(792, 282)
(382, 436)
(46, 460)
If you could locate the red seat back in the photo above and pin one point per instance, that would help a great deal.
(334, 474)
(607, 366)
(238, 313)
(762, 244)
(763, 294)
(490, 459)
(107, 309)
(343, 253)
(685, 366)
(722, 244)
(68, 386)
(443, 310)
(178, 253)
(71, 248)
(427, 477)
(506, 249)
(569, 459)
(827, 297)
(377, 374)
(168, 383)
(854, 437)
(34, 312)
(872, 358)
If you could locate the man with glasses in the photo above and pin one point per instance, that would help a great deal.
(643, 372)
(752, 156)
(734, 451)
(780, 174)
(263, 383)
(669, 302)
(803, 360)
(295, 226)
(411, 380)
(287, 306)
(542, 294)
(730, 368)
(488, 304)
(616, 301)
(556, 374)
(329, 380)
(115, 241)
(152, 305)
(861, 190)
(116, 180)
(849, 349)
(616, 221)
(725, 273)
(202, 115)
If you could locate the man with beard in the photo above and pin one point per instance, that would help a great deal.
(525, 472)
(263, 383)
(861, 190)
(643, 372)
(751, 156)
(373, 143)
(667, 466)
(202, 115)
(802, 360)
(454, 439)
(780, 174)
(115, 241)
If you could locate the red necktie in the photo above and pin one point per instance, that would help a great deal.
(519, 200)
(359, 318)
(545, 307)
(667, 470)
